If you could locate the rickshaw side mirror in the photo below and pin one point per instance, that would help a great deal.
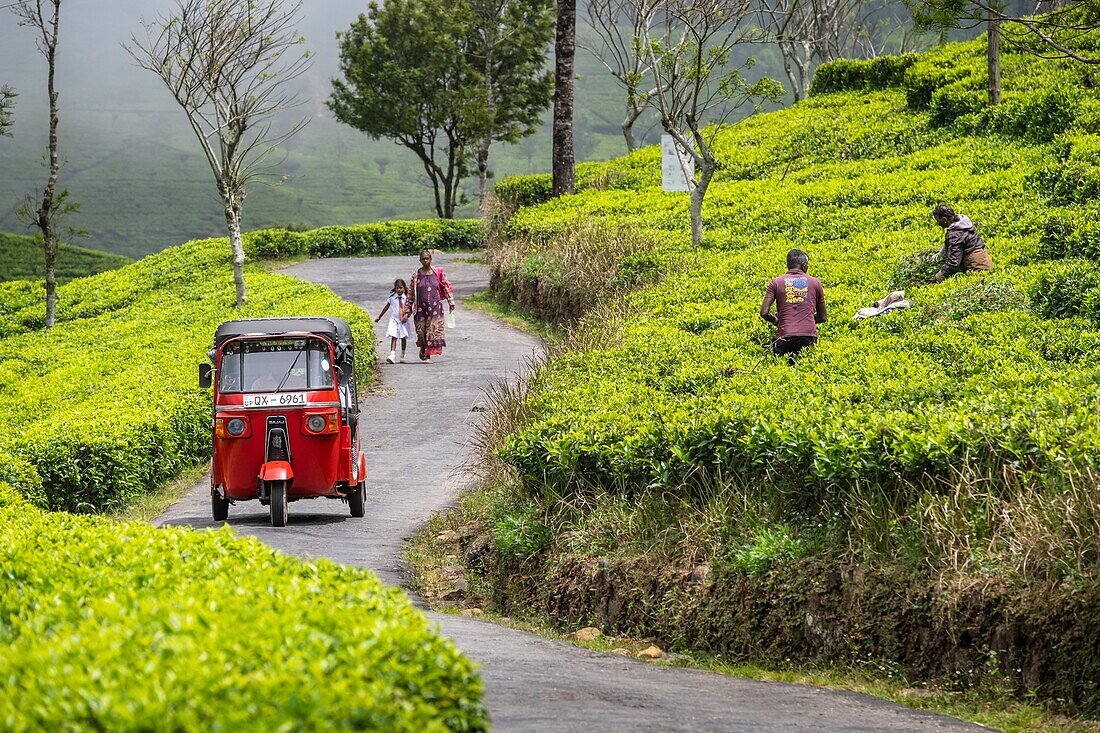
(206, 376)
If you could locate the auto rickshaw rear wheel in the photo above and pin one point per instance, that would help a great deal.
(357, 500)
(220, 507)
(278, 504)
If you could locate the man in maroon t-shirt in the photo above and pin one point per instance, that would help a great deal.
(799, 306)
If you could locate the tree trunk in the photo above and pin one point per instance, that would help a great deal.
(233, 221)
(993, 58)
(564, 51)
(432, 173)
(796, 88)
(698, 193)
(450, 186)
(45, 212)
(448, 199)
(490, 114)
(633, 112)
(483, 170)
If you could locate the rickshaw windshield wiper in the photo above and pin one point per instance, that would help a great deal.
(288, 371)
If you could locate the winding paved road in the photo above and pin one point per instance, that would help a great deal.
(532, 683)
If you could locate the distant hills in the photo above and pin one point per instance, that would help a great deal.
(132, 162)
(21, 259)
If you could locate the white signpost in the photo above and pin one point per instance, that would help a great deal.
(672, 171)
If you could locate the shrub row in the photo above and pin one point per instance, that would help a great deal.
(1072, 178)
(105, 405)
(518, 191)
(379, 238)
(1037, 116)
(588, 264)
(120, 626)
(1041, 99)
(851, 75)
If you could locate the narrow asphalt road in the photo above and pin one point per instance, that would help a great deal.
(414, 427)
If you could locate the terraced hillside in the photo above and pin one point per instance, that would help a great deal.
(919, 489)
(104, 407)
(22, 260)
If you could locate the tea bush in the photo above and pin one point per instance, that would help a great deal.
(379, 238)
(120, 626)
(917, 268)
(105, 405)
(853, 75)
(986, 376)
(519, 191)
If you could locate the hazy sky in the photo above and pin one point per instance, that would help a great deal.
(94, 72)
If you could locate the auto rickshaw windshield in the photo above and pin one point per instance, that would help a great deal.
(275, 365)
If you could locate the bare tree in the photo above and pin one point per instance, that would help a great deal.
(620, 27)
(46, 209)
(7, 101)
(813, 32)
(563, 170)
(227, 64)
(884, 27)
(792, 24)
(698, 89)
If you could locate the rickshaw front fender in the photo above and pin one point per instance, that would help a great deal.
(361, 470)
(276, 471)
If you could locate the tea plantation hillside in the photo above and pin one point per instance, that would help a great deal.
(21, 259)
(919, 490)
(173, 629)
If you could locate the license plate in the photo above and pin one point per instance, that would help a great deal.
(276, 399)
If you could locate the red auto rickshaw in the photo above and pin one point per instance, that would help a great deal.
(286, 416)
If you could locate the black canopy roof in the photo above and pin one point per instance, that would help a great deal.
(334, 328)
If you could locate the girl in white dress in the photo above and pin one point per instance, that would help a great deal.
(400, 325)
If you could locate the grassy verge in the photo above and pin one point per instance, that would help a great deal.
(447, 578)
(147, 507)
(520, 318)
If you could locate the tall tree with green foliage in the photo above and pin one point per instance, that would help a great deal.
(509, 43)
(44, 210)
(7, 102)
(227, 64)
(406, 77)
(445, 81)
(690, 43)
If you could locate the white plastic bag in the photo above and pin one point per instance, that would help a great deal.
(450, 319)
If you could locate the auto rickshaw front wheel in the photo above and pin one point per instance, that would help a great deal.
(220, 507)
(357, 500)
(278, 503)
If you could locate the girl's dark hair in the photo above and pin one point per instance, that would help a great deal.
(425, 252)
(398, 283)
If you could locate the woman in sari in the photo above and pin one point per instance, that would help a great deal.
(428, 289)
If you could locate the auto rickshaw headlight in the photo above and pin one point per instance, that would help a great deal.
(316, 423)
(236, 426)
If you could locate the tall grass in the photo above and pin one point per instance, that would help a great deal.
(567, 274)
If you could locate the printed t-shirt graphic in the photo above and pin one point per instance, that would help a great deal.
(798, 297)
(798, 289)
